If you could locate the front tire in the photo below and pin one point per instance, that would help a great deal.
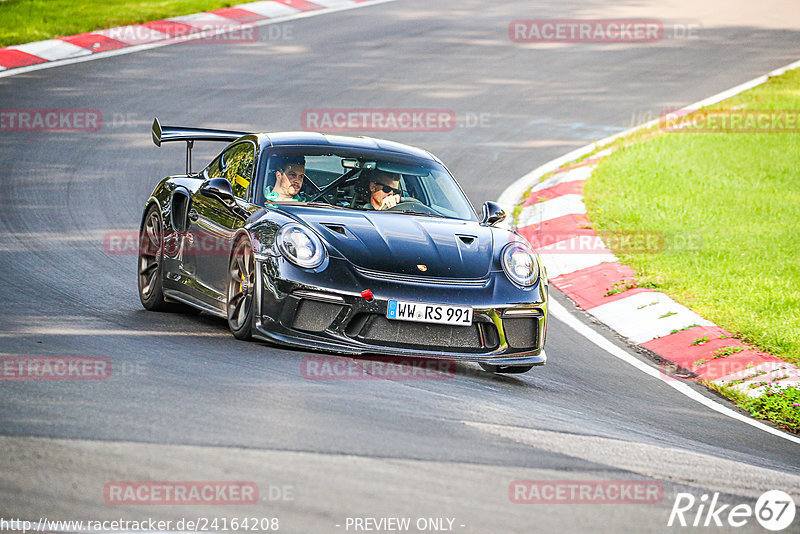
(241, 290)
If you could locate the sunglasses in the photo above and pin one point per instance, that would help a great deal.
(389, 189)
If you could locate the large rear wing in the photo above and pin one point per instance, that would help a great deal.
(167, 134)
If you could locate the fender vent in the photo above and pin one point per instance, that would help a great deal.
(180, 210)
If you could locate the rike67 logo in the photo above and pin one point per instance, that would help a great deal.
(774, 510)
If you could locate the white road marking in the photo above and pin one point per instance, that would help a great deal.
(552, 209)
(580, 174)
(774, 375)
(589, 251)
(269, 8)
(201, 20)
(333, 3)
(752, 372)
(562, 314)
(52, 49)
(645, 316)
(135, 34)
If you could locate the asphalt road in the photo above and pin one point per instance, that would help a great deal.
(188, 402)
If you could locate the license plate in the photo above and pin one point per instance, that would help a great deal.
(429, 313)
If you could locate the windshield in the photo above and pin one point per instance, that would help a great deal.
(360, 180)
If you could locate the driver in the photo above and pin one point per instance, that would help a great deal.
(289, 178)
(384, 189)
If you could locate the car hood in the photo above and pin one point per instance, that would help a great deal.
(403, 243)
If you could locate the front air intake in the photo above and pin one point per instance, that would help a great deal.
(315, 315)
(522, 332)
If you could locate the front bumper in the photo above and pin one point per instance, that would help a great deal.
(320, 311)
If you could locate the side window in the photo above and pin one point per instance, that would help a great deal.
(214, 169)
(236, 166)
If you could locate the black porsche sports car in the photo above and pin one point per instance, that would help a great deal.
(350, 245)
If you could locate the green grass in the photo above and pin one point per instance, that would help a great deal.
(780, 407)
(728, 205)
(22, 21)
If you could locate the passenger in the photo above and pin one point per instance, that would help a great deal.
(384, 189)
(289, 178)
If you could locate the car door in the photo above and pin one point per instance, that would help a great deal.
(213, 224)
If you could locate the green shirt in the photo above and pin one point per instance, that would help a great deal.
(271, 196)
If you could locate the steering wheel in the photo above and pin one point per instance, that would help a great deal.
(412, 204)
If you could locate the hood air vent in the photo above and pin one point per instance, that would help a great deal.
(338, 228)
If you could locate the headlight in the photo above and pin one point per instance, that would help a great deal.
(300, 246)
(519, 263)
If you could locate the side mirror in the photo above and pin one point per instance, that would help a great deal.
(218, 188)
(492, 213)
